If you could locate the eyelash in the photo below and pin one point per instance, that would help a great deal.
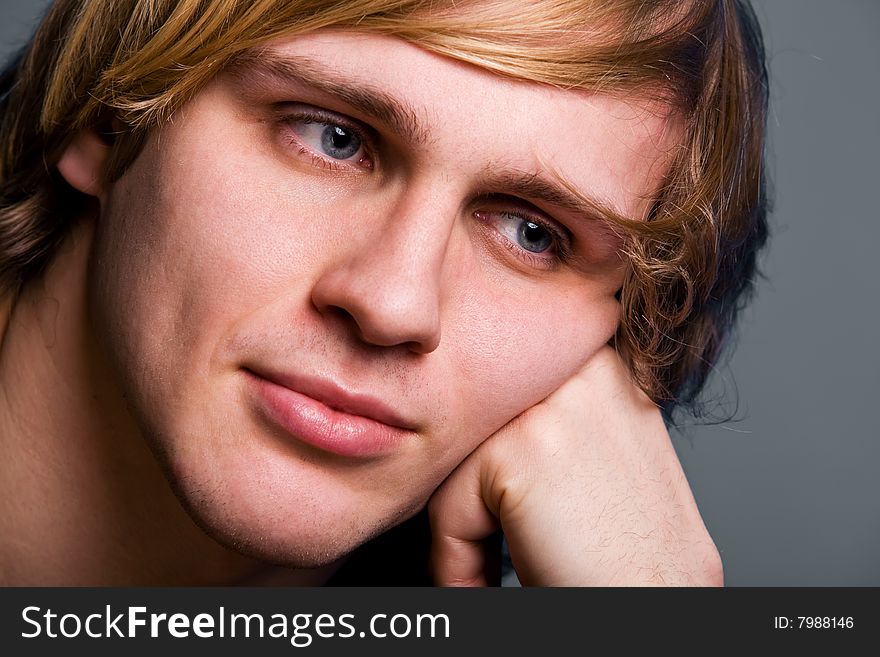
(559, 253)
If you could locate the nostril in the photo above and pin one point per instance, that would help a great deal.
(341, 316)
(379, 309)
(426, 346)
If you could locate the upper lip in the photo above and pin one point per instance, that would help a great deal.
(336, 397)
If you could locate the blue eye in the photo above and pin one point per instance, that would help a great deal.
(339, 142)
(329, 141)
(527, 234)
(539, 242)
(533, 237)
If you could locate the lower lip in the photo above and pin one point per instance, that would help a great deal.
(318, 425)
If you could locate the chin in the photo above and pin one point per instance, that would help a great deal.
(297, 543)
(292, 551)
(304, 526)
(306, 546)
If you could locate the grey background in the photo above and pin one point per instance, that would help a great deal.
(789, 490)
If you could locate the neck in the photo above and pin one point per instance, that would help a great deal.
(82, 498)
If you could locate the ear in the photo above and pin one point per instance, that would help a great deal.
(83, 161)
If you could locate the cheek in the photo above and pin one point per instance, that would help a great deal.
(186, 248)
(516, 349)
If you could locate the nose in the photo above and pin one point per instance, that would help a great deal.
(387, 283)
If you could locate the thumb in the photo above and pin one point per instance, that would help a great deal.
(465, 546)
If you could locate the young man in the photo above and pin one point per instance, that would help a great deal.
(279, 276)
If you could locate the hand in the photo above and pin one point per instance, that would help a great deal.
(587, 488)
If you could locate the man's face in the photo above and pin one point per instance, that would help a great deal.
(335, 273)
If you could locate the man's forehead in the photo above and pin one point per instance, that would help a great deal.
(388, 63)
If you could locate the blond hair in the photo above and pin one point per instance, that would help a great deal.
(99, 65)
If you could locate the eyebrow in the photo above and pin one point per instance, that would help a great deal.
(255, 65)
(260, 65)
(554, 190)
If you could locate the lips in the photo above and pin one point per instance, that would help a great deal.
(323, 415)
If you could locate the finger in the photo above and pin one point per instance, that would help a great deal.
(463, 530)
